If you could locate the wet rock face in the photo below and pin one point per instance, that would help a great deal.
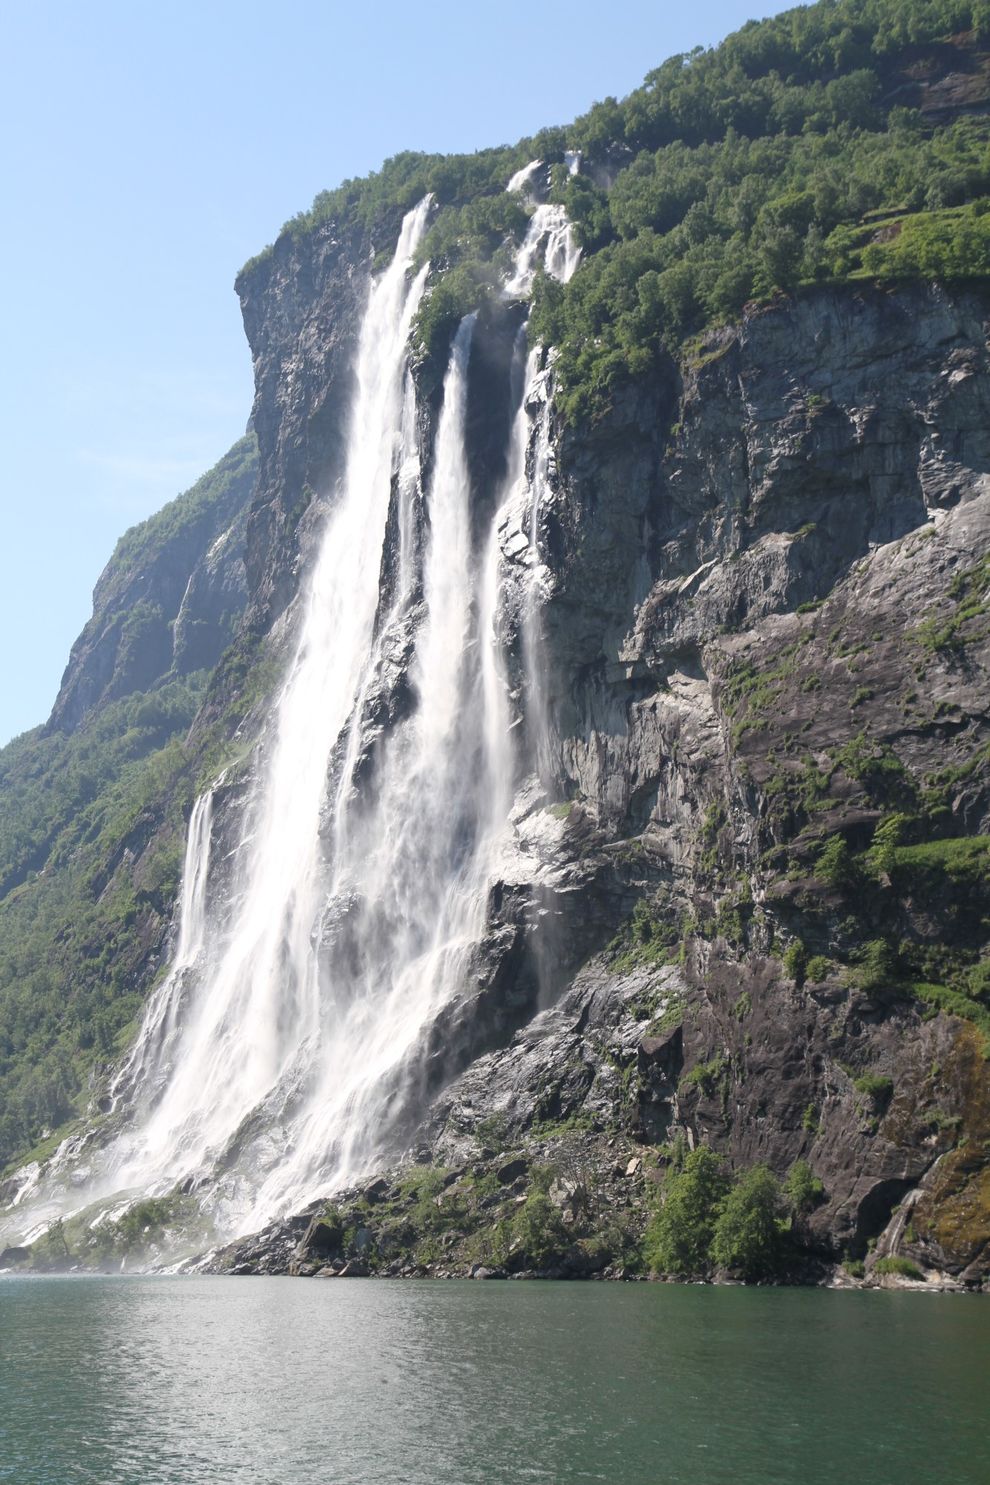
(820, 432)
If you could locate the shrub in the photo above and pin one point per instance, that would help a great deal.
(979, 982)
(874, 1085)
(855, 1267)
(538, 1230)
(835, 865)
(895, 1264)
(882, 855)
(878, 966)
(704, 1075)
(796, 961)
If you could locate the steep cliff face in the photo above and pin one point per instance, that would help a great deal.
(767, 637)
(170, 599)
(301, 307)
(763, 638)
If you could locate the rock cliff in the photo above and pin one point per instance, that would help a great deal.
(764, 637)
(170, 599)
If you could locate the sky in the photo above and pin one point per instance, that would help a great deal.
(149, 150)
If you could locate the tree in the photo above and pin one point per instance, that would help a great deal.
(802, 1190)
(835, 865)
(680, 1236)
(747, 1237)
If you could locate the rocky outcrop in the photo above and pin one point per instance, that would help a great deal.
(170, 599)
(301, 306)
(768, 635)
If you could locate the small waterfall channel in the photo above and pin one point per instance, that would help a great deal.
(273, 1059)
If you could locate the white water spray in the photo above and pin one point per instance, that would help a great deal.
(155, 1047)
(274, 1061)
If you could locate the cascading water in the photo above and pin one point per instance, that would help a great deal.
(550, 240)
(155, 1046)
(413, 849)
(248, 1036)
(551, 234)
(272, 1060)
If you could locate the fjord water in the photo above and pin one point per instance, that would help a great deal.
(150, 1381)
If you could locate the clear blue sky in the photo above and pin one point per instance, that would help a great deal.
(148, 150)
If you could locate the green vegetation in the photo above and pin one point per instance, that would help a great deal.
(92, 833)
(71, 920)
(538, 1228)
(549, 1216)
(790, 155)
(643, 940)
(968, 590)
(669, 1019)
(91, 844)
(679, 1238)
(881, 858)
(963, 861)
(706, 1075)
(955, 1003)
(747, 1238)
(802, 1189)
(795, 961)
(878, 965)
(705, 1220)
(835, 864)
(902, 1267)
(189, 513)
(779, 159)
(875, 1086)
(149, 1227)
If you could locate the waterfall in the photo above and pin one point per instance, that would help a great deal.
(549, 239)
(414, 848)
(155, 1045)
(280, 1052)
(522, 178)
(248, 1035)
(549, 234)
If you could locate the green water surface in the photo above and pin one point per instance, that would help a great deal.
(157, 1381)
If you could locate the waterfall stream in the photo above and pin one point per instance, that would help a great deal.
(271, 1059)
